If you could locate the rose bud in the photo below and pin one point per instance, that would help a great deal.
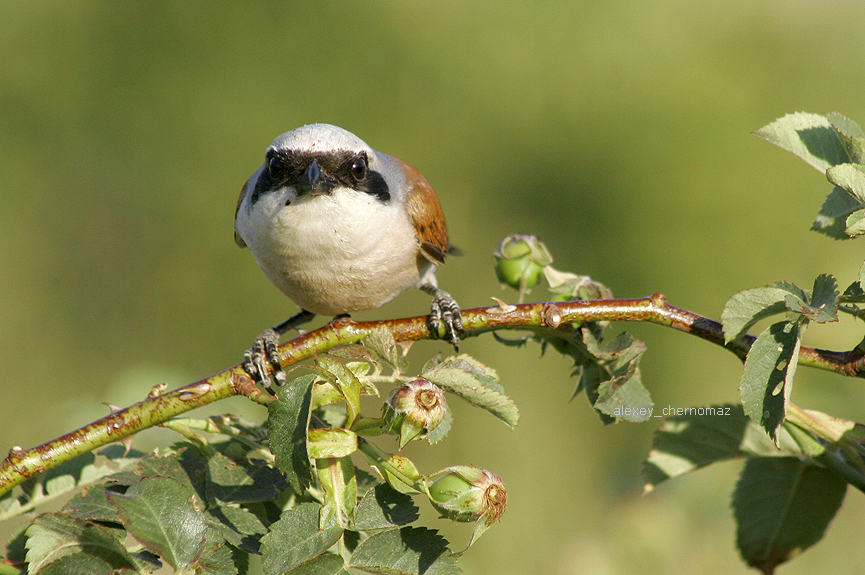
(520, 260)
(414, 409)
(465, 493)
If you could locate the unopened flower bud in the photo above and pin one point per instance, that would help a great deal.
(414, 409)
(520, 260)
(465, 493)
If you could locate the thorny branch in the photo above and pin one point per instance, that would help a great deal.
(551, 318)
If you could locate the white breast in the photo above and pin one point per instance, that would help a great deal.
(333, 254)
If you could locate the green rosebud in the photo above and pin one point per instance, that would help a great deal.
(413, 410)
(466, 493)
(520, 260)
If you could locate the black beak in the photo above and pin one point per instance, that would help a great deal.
(312, 180)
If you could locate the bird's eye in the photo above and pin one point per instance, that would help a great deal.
(276, 167)
(359, 167)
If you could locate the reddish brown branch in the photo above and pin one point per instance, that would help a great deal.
(552, 317)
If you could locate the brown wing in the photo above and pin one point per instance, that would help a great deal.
(426, 216)
(237, 239)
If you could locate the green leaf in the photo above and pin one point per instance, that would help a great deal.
(851, 136)
(853, 294)
(810, 136)
(850, 177)
(327, 564)
(475, 382)
(346, 383)
(613, 383)
(331, 442)
(296, 538)
(289, 421)
(77, 564)
(855, 223)
(187, 467)
(384, 508)
(768, 375)
(238, 526)
(217, 559)
(159, 513)
(93, 504)
(337, 479)
(748, 307)
(783, 506)
(441, 431)
(56, 536)
(695, 437)
(862, 277)
(230, 482)
(406, 551)
(823, 305)
(67, 477)
(381, 343)
(831, 220)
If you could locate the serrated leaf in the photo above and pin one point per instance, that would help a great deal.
(853, 294)
(831, 220)
(187, 467)
(441, 431)
(625, 398)
(56, 536)
(93, 504)
(406, 551)
(855, 224)
(695, 437)
(783, 506)
(337, 479)
(230, 482)
(159, 513)
(845, 125)
(810, 136)
(67, 477)
(238, 526)
(824, 300)
(767, 379)
(851, 136)
(296, 538)
(327, 564)
(475, 382)
(849, 177)
(217, 558)
(613, 383)
(749, 306)
(77, 564)
(384, 508)
(289, 421)
(381, 343)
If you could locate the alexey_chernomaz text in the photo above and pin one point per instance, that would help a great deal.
(671, 411)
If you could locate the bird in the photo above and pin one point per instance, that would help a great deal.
(340, 228)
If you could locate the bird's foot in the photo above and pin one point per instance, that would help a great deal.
(445, 312)
(263, 353)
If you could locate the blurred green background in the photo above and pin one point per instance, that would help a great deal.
(618, 132)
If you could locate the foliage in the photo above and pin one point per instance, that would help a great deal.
(294, 491)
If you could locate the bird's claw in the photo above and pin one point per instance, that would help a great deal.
(445, 312)
(263, 353)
